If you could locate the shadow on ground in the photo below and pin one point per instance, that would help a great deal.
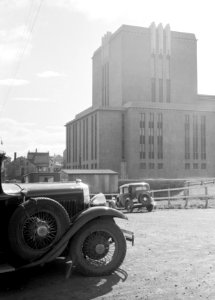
(49, 282)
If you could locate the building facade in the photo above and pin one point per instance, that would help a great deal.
(147, 119)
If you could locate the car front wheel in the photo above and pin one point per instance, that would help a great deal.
(99, 248)
(36, 226)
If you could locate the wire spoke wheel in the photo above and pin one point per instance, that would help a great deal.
(98, 248)
(39, 230)
(36, 226)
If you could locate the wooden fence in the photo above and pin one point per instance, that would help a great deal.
(185, 193)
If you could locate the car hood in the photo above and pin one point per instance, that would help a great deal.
(44, 189)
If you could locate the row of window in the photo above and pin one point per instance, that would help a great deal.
(151, 165)
(188, 166)
(195, 166)
(82, 136)
(86, 166)
(195, 135)
(152, 138)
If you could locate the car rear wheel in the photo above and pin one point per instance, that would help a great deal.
(144, 199)
(98, 248)
(36, 226)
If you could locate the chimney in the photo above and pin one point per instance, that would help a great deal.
(14, 156)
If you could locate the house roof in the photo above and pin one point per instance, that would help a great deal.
(88, 171)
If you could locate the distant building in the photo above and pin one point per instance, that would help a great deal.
(147, 119)
(42, 177)
(40, 160)
(105, 181)
(37, 167)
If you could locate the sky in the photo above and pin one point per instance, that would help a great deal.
(46, 49)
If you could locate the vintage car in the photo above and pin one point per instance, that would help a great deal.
(42, 221)
(135, 194)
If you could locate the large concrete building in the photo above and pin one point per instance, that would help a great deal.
(147, 119)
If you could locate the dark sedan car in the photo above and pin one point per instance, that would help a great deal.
(39, 222)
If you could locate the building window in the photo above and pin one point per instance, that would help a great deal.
(153, 89)
(160, 166)
(75, 143)
(187, 166)
(142, 136)
(195, 166)
(160, 136)
(195, 137)
(160, 90)
(203, 166)
(95, 124)
(142, 165)
(187, 136)
(86, 138)
(151, 136)
(203, 137)
(84, 141)
(123, 136)
(151, 165)
(92, 138)
(168, 90)
(142, 155)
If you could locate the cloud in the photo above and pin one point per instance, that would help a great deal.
(50, 74)
(15, 43)
(13, 82)
(22, 137)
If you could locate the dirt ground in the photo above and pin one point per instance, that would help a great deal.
(173, 258)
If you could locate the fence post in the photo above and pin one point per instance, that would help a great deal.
(206, 198)
(186, 194)
(169, 197)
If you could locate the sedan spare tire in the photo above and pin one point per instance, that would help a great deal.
(36, 226)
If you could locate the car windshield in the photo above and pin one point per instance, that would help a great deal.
(11, 188)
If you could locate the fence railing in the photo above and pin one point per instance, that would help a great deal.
(185, 193)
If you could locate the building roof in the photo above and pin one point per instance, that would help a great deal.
(88, 171)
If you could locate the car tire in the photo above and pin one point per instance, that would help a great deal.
(150, 207)
(143, 199)
(129, 205)
(98, 249)
(36, 226)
